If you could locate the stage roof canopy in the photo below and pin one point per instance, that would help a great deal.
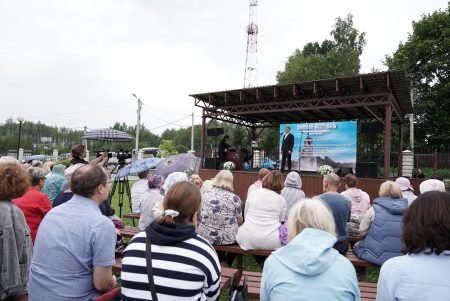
(347, 98)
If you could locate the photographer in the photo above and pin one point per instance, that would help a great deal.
(79, 154)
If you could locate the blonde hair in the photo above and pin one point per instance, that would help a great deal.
(196, 180)
(310, 213)
(224, 180)
(390, 189)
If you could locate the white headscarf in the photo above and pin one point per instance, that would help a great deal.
(173, 178)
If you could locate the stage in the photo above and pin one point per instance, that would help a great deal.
(311, 184)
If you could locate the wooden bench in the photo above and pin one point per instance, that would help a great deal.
(354, 239)
(236, 249)
(225, 279)
(129, 231)
(368, 290)
(359, 264)
(132, 215)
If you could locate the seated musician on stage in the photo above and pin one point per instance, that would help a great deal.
(383, 225)
(223, 145)
(308, 267)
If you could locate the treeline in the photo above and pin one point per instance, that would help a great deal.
(34, 136)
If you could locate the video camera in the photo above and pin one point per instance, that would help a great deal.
(122, 155)
(99, 153)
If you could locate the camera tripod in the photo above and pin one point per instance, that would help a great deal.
(123, 186)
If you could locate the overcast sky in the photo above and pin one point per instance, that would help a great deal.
(75, 63)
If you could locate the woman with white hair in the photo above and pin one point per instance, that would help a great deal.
(383, 225)
(308, 267)
(221, 214)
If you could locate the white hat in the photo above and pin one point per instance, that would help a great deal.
(404, 184)
(432, 185)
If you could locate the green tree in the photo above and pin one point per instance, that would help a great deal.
(332, 58)
(167, 148)
(425, 58)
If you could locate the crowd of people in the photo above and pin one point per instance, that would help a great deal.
(58, 235)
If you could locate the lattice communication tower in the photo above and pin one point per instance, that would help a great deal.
(251, 60)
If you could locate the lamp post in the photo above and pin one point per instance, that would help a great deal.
(20, 120)
(138, 124)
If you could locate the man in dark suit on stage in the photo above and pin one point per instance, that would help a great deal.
(286, 148)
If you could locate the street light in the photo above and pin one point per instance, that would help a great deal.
(20, 119)
(138, 125)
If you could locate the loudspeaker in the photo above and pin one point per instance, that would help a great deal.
(371, 128)
(214, 132)
(343, 171)
(367, 170)
(210, 163)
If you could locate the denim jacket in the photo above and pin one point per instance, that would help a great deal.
(15, 251)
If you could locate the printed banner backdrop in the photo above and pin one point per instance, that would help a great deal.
(316, 144)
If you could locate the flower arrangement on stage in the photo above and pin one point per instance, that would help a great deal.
(324, 170)
(229, 165)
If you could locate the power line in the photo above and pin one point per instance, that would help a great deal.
(171, 123)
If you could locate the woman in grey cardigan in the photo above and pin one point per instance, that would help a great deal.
(15, 241)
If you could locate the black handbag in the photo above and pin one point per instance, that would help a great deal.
(151, 281)
(238, 292)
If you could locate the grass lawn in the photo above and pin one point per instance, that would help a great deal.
(249, 263)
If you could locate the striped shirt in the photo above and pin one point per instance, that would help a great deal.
(187, 270)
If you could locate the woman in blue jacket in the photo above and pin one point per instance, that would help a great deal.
(308, 268)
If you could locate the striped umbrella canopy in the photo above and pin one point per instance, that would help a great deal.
(107, 135)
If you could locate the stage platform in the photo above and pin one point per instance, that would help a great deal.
(311, 184)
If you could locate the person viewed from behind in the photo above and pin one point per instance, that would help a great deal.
(286, 148)
(421, 274)
(360, 203)
(74, 249)
(340, 208)
(67, 194)
(292, 191)
(185, 266)
(432, 185)
(196, 180)
(15, 241)
(407, 189)
(138, 189)
(265, 210)
(34, 204)
(308, 267)
(258, 183)
(54, 181)
(37, 163)
(382, 223)
(149, 200)
(206, 185)
(221, 215)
